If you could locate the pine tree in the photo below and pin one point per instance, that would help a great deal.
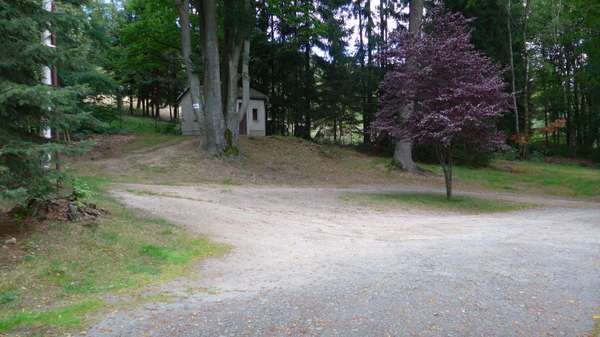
(27, 106)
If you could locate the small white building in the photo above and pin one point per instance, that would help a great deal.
(252, 123)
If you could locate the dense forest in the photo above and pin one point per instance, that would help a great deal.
(321, 63)
(322, 74)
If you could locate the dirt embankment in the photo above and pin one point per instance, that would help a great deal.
(264, 160)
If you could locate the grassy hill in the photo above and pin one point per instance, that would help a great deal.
(149, 157)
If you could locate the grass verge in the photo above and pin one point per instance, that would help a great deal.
(568, 180)
(462, 204)
(146, 125)
(596, 332)
(66, 270)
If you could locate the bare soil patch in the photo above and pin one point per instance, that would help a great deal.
(264, 160)
(108, 146)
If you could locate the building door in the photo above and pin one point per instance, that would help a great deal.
(243, 126)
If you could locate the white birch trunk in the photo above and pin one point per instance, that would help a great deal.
(193, 80)
(47, 79)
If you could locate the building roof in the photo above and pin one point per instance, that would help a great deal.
(254, 94)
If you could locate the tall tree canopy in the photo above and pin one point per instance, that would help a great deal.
(456, 92)
(28, 106)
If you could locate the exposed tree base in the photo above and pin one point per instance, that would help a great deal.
(403, 157)
(61, 209)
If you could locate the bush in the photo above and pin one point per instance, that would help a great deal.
(24, 179)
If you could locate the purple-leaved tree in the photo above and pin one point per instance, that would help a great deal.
(457, 93)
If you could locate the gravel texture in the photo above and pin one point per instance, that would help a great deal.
(306, 263)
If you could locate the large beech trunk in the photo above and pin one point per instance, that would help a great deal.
(215, 135)
(403, 147)
(216, 107)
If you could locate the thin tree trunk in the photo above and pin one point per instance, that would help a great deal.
(193, 80)
(307, 93)
(512, 67)
(445, 158)
(119, 101)
(524, 151)
(245, 79)
(238, 46)
(546, 122)
(448, 179)
(335, 130)
(383, 29)
(369, 86)
(131, 103)
(363, 86)
(403, 147)
(58, 161)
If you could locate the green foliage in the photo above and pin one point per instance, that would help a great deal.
(71, 267)
(144, 125)
(8, 296)
(81, 190)
(146, 59)
(27, 106)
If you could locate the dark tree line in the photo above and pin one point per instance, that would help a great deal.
(318, 61)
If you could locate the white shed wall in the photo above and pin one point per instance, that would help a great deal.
(190, 127)
(256, 127)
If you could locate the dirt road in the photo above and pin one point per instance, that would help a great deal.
(307, 263)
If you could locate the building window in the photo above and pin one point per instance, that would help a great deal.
(239, 106)
(254, 114)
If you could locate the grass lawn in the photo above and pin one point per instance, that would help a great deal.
(146, 125)
(434, 201)
(68, 269)
(569, 180)
(149, 133)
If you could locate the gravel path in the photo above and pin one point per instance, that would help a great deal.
(306, 263)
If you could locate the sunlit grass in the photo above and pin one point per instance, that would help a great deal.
(69, 316)
(568, 180)
(146, 125)
(434, 201)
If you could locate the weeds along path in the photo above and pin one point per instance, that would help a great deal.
(307, 262)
